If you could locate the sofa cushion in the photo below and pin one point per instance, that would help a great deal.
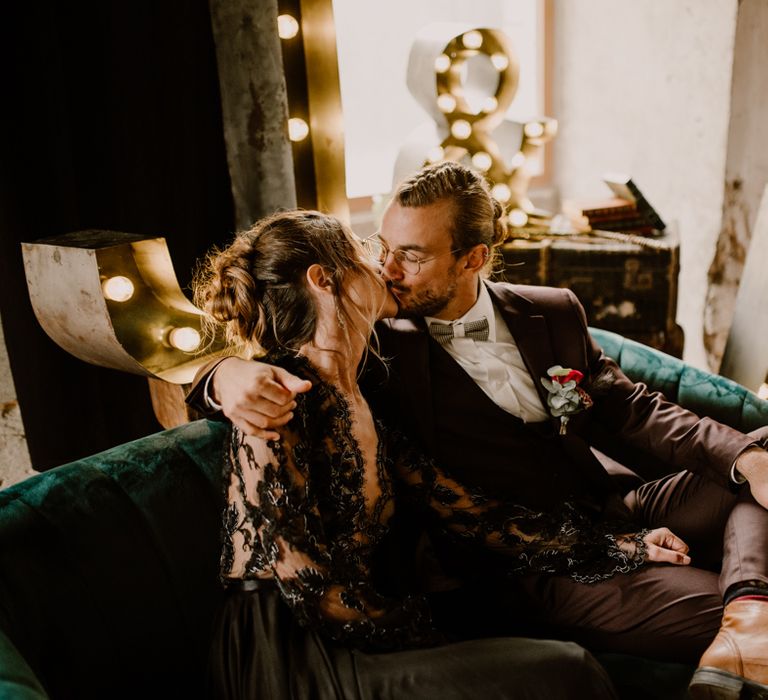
(108, 566)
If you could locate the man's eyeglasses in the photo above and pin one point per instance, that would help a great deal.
(406, 261)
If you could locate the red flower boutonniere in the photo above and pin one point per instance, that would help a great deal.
(566, 397)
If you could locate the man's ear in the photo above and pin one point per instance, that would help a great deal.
(477, 257)
(318, 279)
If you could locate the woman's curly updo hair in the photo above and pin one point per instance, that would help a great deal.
(256, 286)
(478, 217)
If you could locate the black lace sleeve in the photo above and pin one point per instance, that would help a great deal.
(326, 583)
(565, 542)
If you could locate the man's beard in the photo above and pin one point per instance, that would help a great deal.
(428, 303)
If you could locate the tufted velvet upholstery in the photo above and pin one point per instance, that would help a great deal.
(108, 568)
(699, 391)
(108, 582)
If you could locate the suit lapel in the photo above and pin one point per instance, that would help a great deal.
(531, 333)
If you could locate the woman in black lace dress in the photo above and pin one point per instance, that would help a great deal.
(305, 514)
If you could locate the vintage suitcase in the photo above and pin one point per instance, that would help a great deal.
(627, 283)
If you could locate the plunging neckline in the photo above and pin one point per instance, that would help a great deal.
(372, 511)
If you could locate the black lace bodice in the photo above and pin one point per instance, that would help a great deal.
(308, 512)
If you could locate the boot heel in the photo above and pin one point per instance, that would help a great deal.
(711, 684)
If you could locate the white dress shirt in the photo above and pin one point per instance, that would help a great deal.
(495, 364)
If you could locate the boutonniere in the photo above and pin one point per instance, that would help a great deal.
(566, 397)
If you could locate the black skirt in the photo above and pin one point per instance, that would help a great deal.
(260, 652)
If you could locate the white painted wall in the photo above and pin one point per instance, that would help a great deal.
(14, 456)
(374, 41)
(644, 88)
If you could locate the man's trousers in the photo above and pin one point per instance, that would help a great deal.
(664, 610)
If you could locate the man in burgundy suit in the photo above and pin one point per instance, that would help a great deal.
(467, 362)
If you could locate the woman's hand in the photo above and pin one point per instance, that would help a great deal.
(662, 546)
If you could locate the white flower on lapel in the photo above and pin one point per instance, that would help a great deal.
(565, 397)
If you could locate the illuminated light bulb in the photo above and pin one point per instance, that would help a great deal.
(297, 129)
(490, 104)
(517, 160)
(446, 103)
(185, 339)
(442, 63)
(472, 40)
(287, 27)
(517, 217)
(482, 160)
(534, 129)
(118, 288)
(501, 192)
(500, 61)
(461, 129)
(435, 154)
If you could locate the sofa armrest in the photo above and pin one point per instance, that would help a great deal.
(702, 392)
(17, 681)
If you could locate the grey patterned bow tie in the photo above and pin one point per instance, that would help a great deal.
(443, 333)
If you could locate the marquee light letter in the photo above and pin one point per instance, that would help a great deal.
(466, 78)
(112, 299)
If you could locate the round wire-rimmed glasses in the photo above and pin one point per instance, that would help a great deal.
(405, 259)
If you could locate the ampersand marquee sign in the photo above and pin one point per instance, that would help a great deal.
(466, 78)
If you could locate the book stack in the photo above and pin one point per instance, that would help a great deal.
(628, 211)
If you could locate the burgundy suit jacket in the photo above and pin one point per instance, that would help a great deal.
(550, 328)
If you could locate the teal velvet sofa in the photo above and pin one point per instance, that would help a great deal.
(108, 565)
(108, 571)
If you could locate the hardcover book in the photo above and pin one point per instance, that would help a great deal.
(613, 207)
(623, 186)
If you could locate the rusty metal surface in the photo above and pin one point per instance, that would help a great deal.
(64, 278)
(745, 359)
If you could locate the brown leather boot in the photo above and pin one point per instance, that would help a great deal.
(735, 667)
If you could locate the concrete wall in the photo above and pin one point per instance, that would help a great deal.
(746, 175)
(645, 88)
(14, 456)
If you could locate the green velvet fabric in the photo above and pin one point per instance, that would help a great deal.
(699, 391)
(108, 565)
(17, 680)
(108, 568)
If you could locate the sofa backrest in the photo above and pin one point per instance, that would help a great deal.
(108, 568)
(701, 392)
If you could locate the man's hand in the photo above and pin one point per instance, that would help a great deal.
(255, 396)
(662, 546)
(752, 464)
